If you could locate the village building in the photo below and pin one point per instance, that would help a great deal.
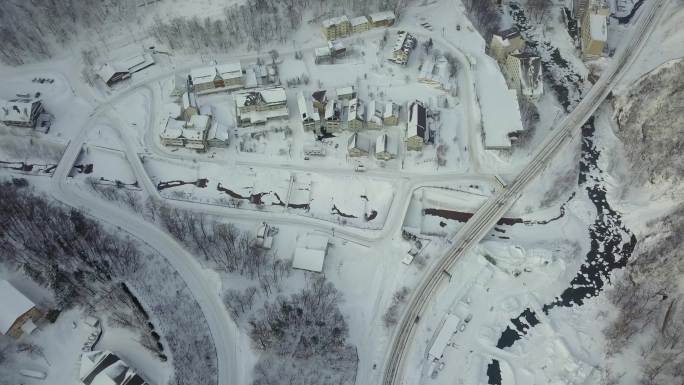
(311, 120)
(353, 116)
(336, 27)
(106, 368)
(435, 73)
(346, 93)
(594, 29)
(373, 116)
(17, 312)
(337, 49)
(218, 135)
(385, 147)
(189, 106)
(190, 134)
(333, 117)
(391, 115)
(382, 19)
(441, 340)
(504, 43)
(115, 71)
(417, 132)
(524, 74)
(258, 107)
(403, 47)
(320, 100)
(217, 78)
(322, 55)
(359, 24)
(313, 150)
(357, 146)
(22, 112)
(310, 252)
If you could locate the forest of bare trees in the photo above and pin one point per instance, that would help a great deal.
(649, 298)
(484, 15)
(37, 30)
(303, 339)
(87, 265)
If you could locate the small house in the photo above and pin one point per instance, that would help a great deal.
(357, 146)
(217, 77)
(353, 116)
(337, 49)
(311, 120)
(264, 239)
(417, 133)
(322, 55)
(385, 147)
(333, 117)
(390, 116)
(218, 135)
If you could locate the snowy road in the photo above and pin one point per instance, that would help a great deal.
(488, 215)
(223, 330)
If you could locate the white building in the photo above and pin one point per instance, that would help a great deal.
(440, 342)
(311, 120)
(373, 116)
(260, 106)
(106, 368)
(310, 252)
(357, 146)
(217, 77)
(382, 19)
(391, 115)
(417, 132)
(353, 116)
(385, 147)
(23, 112)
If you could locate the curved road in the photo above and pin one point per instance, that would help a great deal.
(489, 214)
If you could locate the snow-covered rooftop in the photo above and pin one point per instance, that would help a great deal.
(203, 74)
(229, 70)
(500, 113)
(13, 304)
(273, 95)
(17, 110)
(448, 329)
(322, 51)
(417, 124)
(345, 92)
(306, 110)
(335, 21)
(382, 16)
(598, 27)
(391, 109)
(359, 20)
(310, 252)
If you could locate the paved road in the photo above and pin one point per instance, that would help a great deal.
(489, 214)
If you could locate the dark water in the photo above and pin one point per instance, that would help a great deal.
(611, 246)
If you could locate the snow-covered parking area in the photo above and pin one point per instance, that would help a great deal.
(357, 201)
